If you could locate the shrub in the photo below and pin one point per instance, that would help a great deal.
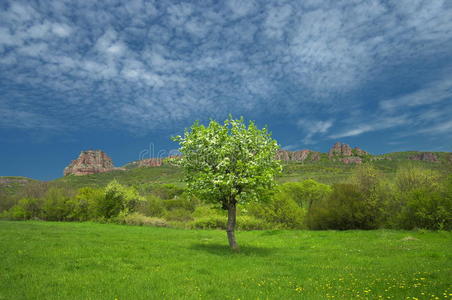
(412, 177)
(427, 207)
(165, 191)
(251, 223)
(85, 205)
(141, 220)
(366, 178)
(219, 222)
(210, 222)
(207, 211)
(6, 201)
(307, 192)
(57, 205)
(345, 208)
(178, 214)
(281, 210)
(118, 198)
(183, 201)
(25, 209)
(152, 206)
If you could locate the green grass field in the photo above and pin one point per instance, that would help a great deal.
(46, 260)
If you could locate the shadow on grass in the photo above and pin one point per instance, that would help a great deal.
(224, 250)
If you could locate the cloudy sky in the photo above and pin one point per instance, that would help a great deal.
(121, 75)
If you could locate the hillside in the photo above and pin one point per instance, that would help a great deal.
(13, 184)
(322, 169)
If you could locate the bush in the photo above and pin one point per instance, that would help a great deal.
(345, 208)
(219, 222)
(85, 205)
(251, 223)
(366, 178)
(141, 220)
(25, 209)
(178, 214)
(152, 206)
(412, 177)
(418, 200)
(165, 191)
(118, 198)
(426, 207)
(183, 201)
(307, 192)
(7, 201)
(210, 222)
(207, 211)
(281, 210)
(57, 205)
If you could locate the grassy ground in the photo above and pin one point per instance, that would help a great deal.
(42, 260)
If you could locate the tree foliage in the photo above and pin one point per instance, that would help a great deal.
(228, 164)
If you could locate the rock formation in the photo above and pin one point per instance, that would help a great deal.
(424, 156)
(343, 152)
(90, 162)
(360, 152)
(300, 155)
(148, 162)
(340, 149)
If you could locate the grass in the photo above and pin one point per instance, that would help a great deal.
(44, 260)
(136, 176)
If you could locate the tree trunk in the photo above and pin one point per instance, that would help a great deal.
(232, 212)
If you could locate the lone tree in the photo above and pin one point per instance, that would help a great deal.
(229, 164)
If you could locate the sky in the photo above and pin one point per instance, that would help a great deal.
(125, 76)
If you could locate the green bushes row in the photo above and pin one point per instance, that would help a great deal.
(413, 198)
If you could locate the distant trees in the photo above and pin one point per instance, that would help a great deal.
(413, 197)
(229, 164)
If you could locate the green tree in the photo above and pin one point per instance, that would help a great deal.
(118, 198)
(307, 192)
(229, 164)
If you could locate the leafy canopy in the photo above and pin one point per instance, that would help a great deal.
(228, 163)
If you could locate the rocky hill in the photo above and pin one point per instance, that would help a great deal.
(148, 162)
(344, 153)
(90, 162)
(97, 161)
(425, 156)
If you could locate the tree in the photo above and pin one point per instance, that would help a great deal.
(307, 192)
(229, 164)
(118, 198)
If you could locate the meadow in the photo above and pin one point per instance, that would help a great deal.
(59, 260)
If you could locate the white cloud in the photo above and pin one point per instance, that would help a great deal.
(435, 92)
(156, 64)
(444, 127)
(61, 30)
(379, 123)
(313, 128)
(241, 8)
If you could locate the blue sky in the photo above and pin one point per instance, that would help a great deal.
(121, 75)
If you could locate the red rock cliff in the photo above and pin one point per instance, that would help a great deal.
(90, 162)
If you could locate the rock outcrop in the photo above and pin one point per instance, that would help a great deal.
(300, 155)
(424, 156)
(360, 152)
(340, 149)
(343, 152)
(90, 162)
(148, 162)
